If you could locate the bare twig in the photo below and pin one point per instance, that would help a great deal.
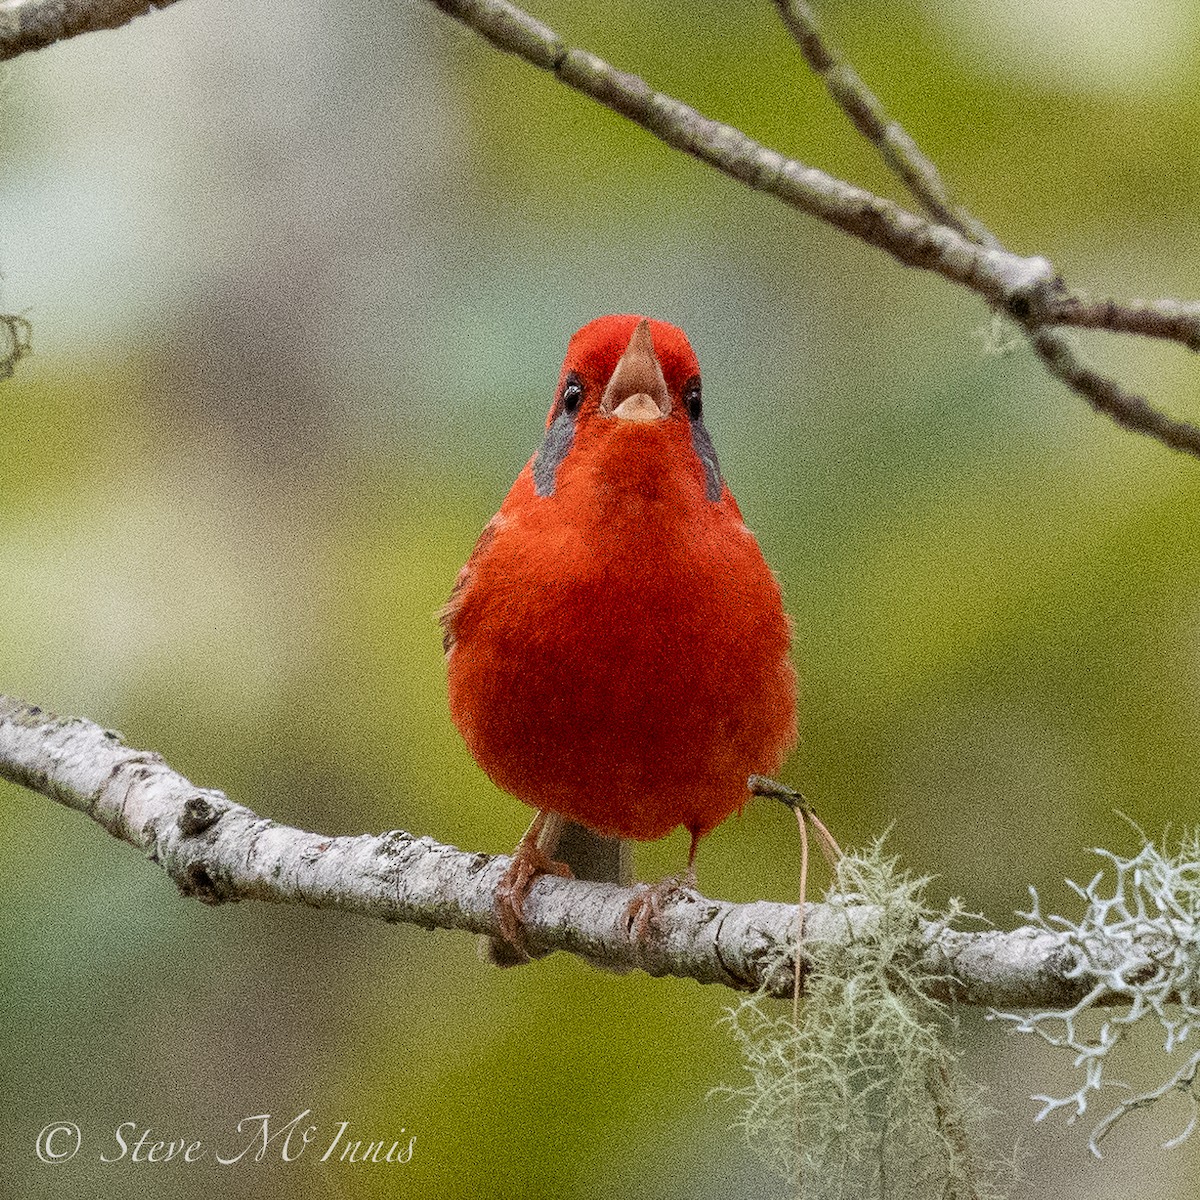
(1107, 396)
(1000, 277)
(954, 245)
(898, 150)
(34, 24)
(218, 851)
(1037, 309)
(1174, 320)
(772, 789)
(798, 966)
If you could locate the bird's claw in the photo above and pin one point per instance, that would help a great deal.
(528, 862)
(647, 906)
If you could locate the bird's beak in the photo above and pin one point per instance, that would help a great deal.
(637, 390)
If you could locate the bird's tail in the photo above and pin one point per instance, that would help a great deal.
(591, 856)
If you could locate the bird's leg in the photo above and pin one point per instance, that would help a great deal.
(530, 859)
(646, 907)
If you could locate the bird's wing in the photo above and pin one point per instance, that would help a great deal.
(448, 613)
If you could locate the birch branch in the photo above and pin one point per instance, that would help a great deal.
(34, 24)
(217, 851)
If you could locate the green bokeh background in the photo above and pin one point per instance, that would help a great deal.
(301, 281)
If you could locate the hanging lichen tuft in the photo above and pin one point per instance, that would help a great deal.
(860, 1096)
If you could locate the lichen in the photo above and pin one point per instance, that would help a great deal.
(861, 1096)
(16, 335)
(1139, 939)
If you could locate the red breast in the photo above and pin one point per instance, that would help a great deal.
(617, 645)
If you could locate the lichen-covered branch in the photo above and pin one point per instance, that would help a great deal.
(34, 24)
(862, 1086)
(217, 851)
(1149, 907)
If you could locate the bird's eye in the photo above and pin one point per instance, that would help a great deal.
(691, 397)
(572, 394)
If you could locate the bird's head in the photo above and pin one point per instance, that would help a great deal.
(628, 381)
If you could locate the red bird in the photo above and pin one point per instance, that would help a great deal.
(617, 648)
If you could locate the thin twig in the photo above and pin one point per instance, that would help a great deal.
(798, 976)
(1036, 309)
(1109, 397)
(1001, 278)
(1173, 320)
(954, 245)
(762, 785)
(896, 147)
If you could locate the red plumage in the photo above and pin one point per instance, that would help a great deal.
(617, 645)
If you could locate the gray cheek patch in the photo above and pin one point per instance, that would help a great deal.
(551, 452)
(703, 446)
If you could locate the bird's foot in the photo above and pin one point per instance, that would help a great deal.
(647, 906)
(528, 862)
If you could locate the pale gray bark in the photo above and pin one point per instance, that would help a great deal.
(953, 244)
(219, 851)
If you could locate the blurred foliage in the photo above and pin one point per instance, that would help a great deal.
(300, 289)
